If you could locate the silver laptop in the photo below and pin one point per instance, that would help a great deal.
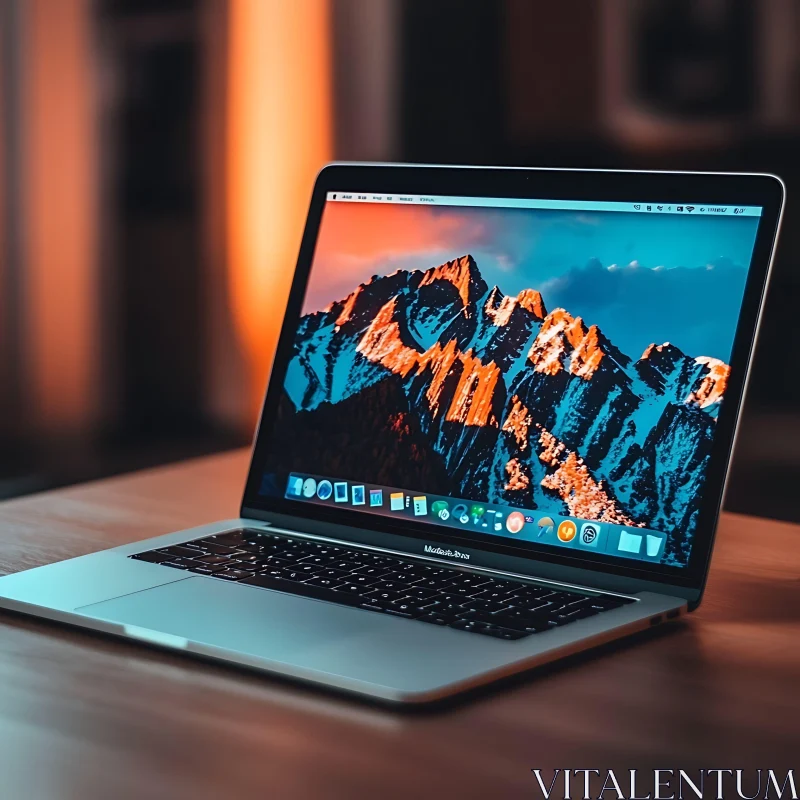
(496, 432)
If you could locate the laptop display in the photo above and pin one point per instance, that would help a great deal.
(549, 372)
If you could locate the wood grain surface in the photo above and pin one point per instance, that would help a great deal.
(82, 716)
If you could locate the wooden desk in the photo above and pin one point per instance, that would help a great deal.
(83, 716)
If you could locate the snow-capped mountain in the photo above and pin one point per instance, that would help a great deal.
(503, 401)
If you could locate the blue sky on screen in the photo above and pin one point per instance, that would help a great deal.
(641, 278)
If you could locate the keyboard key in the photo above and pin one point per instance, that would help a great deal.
(362, 580)
(232, 574)
(535, 606)
(178, 551)
(468, 625)
(154, 557)
(583, 602)
(252, 533)
(520, 613)
(455, 599)
(331, 573)
(229, 538)
(306, 568)
(213, 559)
(421, 594)
(289, 554)
(398, 613)
(605, 603)
(218, 549)
(563, 598)
(355, 558)
(499, 608)
(519, 623)
(174, 564)
(435, 619)
(373, 571)
(530, 590)
(437, 572)
(247, 558)
(206, 569)
(274, 572)
(320, 561)
(249, 548)
(393, 577)
(447, 611)
(557, 620)
(390, 586)
(246, 566)
(386, 610)
(471, 604)
(491, 594)
(350, 588)
(273, 561)
(261, 549)
(501, 585)
(571, 616)
(382, 596)
(188, 563)
(505, 633)
(197, 547)
(407, 607)
(468, 580)
(344, 565)
(406, 571)
(291, 574)
(329, 583)
(463, 591)
(371, 606)
(436, 583)
(373, 559)
(478, 616)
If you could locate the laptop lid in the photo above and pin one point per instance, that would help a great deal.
(522, 368)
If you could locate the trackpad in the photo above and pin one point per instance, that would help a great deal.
(301, 637)
(235, 617)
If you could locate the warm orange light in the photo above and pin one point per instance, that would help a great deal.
(59, 211)
(278, 136)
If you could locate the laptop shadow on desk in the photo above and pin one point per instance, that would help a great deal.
(755, 600)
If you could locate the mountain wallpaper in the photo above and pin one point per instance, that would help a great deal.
(437, 379)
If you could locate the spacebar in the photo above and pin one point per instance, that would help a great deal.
(293, 587)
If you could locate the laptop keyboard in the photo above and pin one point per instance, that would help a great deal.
(466, 601)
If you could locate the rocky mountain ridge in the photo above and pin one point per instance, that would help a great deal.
(522, 405)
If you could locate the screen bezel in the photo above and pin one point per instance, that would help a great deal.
(766, 191)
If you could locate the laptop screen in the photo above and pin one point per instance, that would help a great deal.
(548, 372)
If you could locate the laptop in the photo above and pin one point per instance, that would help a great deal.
(496, 433)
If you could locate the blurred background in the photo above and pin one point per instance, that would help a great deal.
(156, 159)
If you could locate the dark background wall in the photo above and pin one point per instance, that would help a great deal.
(656, 84)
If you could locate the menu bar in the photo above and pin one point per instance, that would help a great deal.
(475, 517)
(644, 207)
